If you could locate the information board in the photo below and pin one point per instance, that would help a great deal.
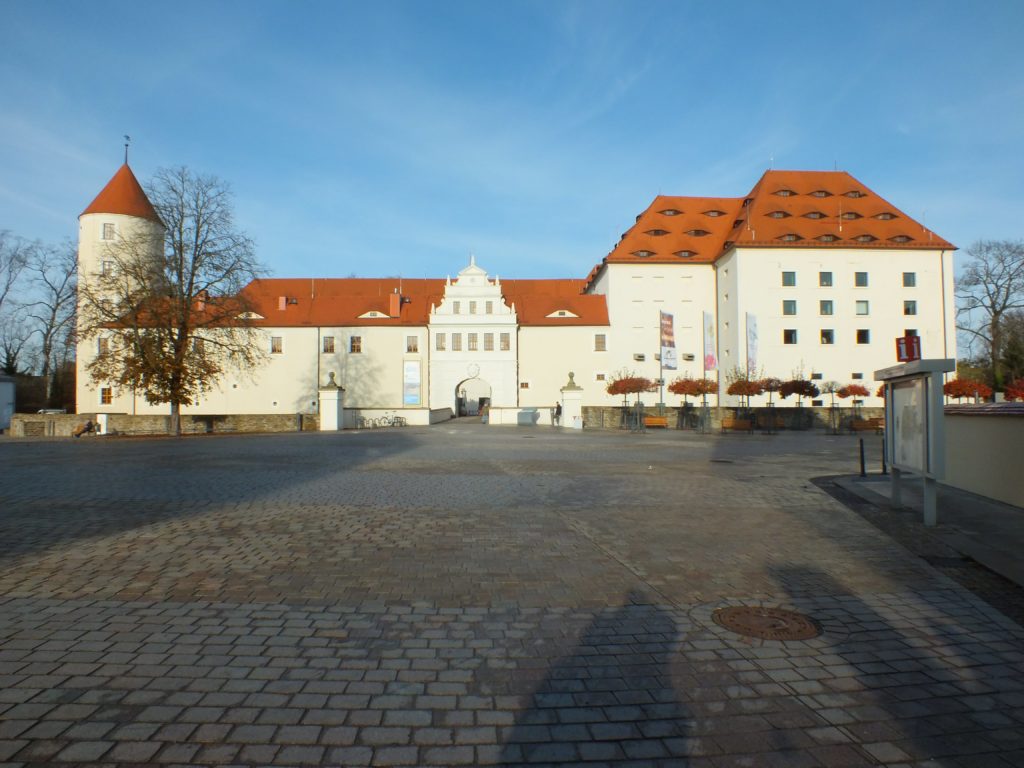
(910, 417)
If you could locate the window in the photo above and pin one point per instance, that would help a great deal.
(489, 307)
(697, 232)
(456, 307)
(850, 216)
(863, 336)
(860, 279)
(910, 331)
(198, 347)
(108, 232)
(524, 385)
(472, 307)
(909, 307)
(910, 279)
(328, 345)
(828, 336)
(505, 342)
(106, 394)
(784, 192)
(817, 376)
(643, 254)
(439, 342)
(825, 279)
(599, 377)
(600, 342)
(817, 403)
(355, 345)
(789, 279)
(814, 215)
(862, 307)
(789, 336)
(276, 345)
(488, 342)
(821, 193)
(789, 307)
(656, 232)
(471, 342)
(107, 268)
(456, 342)
(789, 237)
(856, 375)
(102, 345)
(778, 215)
(412, 344)
(825, 307)
(885, 216)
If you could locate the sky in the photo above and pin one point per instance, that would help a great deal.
(398, 138)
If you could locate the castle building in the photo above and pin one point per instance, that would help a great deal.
(811, 274)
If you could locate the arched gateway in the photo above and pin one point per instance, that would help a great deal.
(471, 396)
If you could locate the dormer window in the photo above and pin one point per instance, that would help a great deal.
(670, 212)
(854, 193)
(865, 238)
(789, 237)
(851, 215)
(901, 239)
(778, 214)
(821, 193)
(697, 232)
(643, 254)
(685, 254)
(886, 216)
(827, 238)
(656, 232)
(784, 192)
(563, 313)
(814, 215)
(714, 213)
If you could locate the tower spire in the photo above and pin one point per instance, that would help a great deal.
(127, 141)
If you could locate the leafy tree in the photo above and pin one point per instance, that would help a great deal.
(853, 390)
(743, 386)
(176, 320)
(771, 385)
(689, 387)
(960, 388)
(1015, 390)
(991, 287)
(800, 387)
(626, 383)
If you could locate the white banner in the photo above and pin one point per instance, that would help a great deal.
(710, 358)
(751, 345)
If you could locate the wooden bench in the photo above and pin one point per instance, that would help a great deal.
(876, 424)
(738, 425)
(656, 421)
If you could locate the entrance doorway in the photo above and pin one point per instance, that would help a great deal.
(471, 395)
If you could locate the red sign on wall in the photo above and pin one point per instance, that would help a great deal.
(908, 348)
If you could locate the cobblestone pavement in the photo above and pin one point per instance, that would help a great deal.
(465, 595)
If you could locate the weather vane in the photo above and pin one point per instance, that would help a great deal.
(127, 141)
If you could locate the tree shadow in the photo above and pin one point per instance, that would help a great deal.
(610, 699)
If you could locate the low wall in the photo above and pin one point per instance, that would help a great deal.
(419, 417)
(523, 417)
(437, 415)
(611, 417)
(62, 425)
(984, 444)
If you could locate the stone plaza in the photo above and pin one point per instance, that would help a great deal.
(472, 595)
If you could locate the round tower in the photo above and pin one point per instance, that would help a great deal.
(120, 214)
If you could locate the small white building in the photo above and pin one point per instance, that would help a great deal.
(811, 274)
(7, 391)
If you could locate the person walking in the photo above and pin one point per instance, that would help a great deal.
(558, 414)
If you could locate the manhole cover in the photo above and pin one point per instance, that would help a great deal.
(766, 623)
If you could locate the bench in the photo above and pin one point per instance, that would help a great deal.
(738, 425)
(656, 421)
(876, 424)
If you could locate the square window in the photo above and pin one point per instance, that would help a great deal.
(456, 342)
(825, 279)
(106, 395)
(857, 375)
(817, 403)
(789, 279)
(789, 307)
(328, 345)
(109, 232)
(910, 331)
(600, 342)
(863, 336)
(825, 307)
(910, 279)
(909, 307)
(488, 342)
(412, 344)
(860, 279)
(524, 385)
(816, 377)
(828, 336)
(506, 342)
(439, 342)
(599, 377)
(355, 345)
(472, 307)
(862, 307)
(789, 336)
(276, 345)
(471, 342)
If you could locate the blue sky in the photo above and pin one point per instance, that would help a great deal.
(396, 138)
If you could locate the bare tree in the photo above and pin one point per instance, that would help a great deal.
(14, 255)
(992, 286)
(15, 337)
(172, 318)
(53, 276)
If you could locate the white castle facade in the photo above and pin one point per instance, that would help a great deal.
(811, 275)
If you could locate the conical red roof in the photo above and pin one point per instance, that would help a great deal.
(123, 194)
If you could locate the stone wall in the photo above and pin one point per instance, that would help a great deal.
(604, 417)
(62, 425)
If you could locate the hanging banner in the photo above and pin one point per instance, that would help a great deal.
(668, 342)
(710, 360)
(751, 344)
(411, 382)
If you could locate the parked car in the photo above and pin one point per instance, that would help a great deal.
(52, 411)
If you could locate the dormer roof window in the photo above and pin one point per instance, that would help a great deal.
(814, 215)
(714, 213)
(643, 254)
(656, 232)
(886, 216)
(670, 212)
(685, 254)
(821, 193)
(790, 237)
(784, 192)
(865, 238)
(697, 232)
(779, 214)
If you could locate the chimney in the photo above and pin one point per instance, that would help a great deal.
(282, 302)
(201, 298)
(394, 304)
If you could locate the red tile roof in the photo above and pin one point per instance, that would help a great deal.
(123, 194)
(342, 301)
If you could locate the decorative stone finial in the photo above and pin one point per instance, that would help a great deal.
(571, 385)
(331, 383)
